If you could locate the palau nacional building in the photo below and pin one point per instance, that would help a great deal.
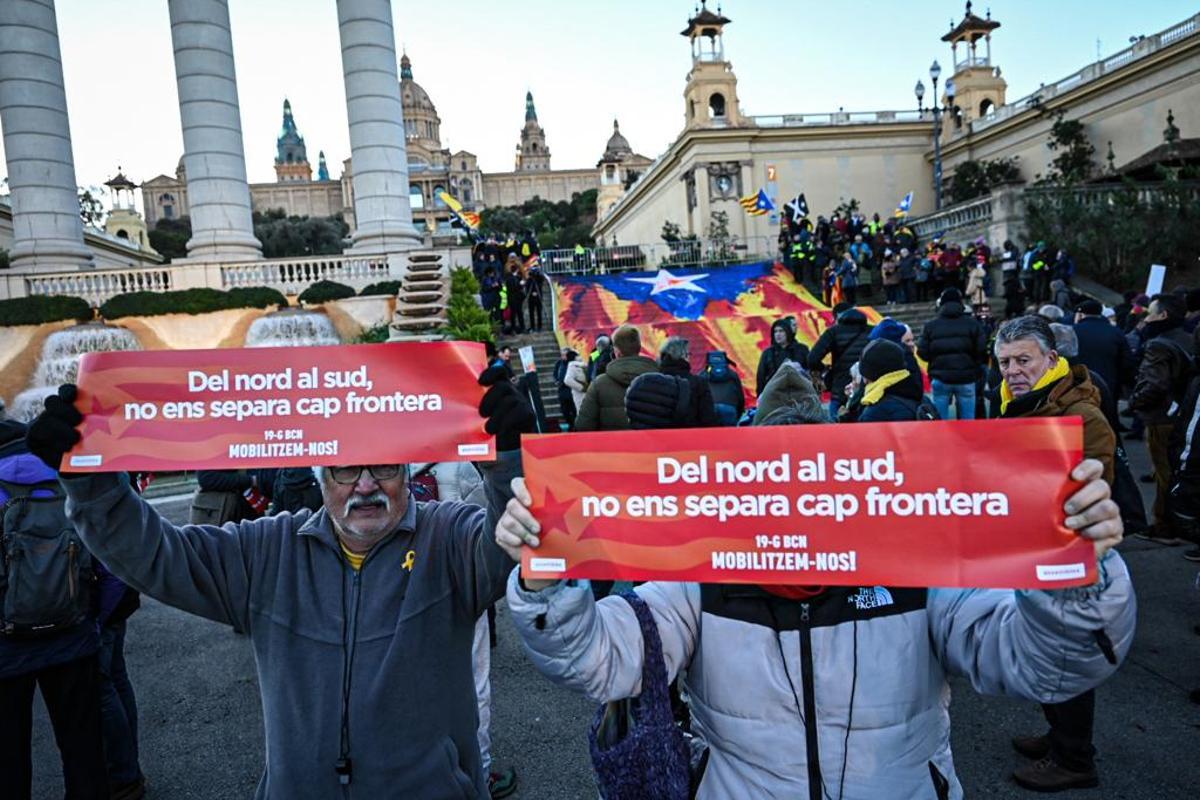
(432, 169)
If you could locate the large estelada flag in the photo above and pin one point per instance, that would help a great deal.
(727, 308)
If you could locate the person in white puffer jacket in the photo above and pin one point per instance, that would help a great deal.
(839, 693)
(459, 480)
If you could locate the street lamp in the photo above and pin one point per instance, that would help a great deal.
(919, 91)
(935, 72)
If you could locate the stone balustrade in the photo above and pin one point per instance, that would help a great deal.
(291, 276)
(969, 215)
(95, 286)
(294, 275)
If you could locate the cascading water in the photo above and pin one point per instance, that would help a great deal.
(59, 363)
(292, 328)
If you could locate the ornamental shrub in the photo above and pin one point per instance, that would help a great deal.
(189, 301)
(44, 308)
(383, 287)
(325, 292)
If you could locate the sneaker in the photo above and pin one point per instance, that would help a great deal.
(1048, 776)
(502, 784)
(1192, 554)
(1034, 747)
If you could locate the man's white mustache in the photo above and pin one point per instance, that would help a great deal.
(376, 497)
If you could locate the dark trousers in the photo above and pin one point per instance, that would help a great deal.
(1158, 442)
(1071, 731)
(71, 692)
(1041, 286)
(535, 313)
(850, 293)
(910, 290)
(118, 707)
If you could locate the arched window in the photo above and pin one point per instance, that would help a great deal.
(716, 105)
(467, 194)
(123, 234)
(691, 109)
(167, 203)
(415, 199)
(533, 147)
(464, 166)
(986, 107)
(438, 202)
(290, 158)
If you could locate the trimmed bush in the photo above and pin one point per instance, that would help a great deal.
(44, 308)
(466, 319)
(383, 287)
(189, 301)
(325, 292)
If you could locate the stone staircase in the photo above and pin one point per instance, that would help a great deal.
(421, 303)
(546, 353)
(914, 315)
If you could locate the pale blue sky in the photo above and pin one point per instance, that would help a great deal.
(586, 62)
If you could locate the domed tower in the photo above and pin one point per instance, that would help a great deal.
(976, 89)
(711, 91)
(422, 126)
(612, 179)
(291, 157)
(123, 220)
(532, 152)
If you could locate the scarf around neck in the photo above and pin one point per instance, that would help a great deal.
(1060, 370)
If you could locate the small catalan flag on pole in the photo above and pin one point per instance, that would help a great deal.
(757, 204)
(905, 206)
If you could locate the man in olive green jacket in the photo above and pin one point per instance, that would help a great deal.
(603, 407)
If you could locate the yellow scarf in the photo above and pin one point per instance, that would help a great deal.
(1060, 370)
(875, 390)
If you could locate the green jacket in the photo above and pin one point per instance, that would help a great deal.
(603, 406)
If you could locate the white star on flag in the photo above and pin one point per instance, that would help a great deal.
(665, 282)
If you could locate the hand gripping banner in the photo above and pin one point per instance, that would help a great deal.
(280, 407)
(953, 504)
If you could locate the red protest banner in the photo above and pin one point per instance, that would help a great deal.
(280, 407)
(954, 504)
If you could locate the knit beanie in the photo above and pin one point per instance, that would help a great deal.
(951, 295)
(879, 358)
(889, 329)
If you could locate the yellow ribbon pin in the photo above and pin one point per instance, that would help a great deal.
(409, 560)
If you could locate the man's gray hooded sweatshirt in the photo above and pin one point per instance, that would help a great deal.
(371, 667)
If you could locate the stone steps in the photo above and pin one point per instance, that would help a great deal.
(421, 302)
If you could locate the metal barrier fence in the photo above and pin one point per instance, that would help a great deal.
(639, 257)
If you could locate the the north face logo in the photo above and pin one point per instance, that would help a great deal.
(868, 598)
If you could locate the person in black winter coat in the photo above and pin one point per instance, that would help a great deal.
(843, 342)
(674, 359)
(729, 398)
(655, 401)
(954, 345)
(890, 394)
(783, 347)
(1102, 348)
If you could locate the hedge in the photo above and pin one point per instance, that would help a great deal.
(467, 321)
(43, 308)
(325, 292)
(383, 287)
(189, 301)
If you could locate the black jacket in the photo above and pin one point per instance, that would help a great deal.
(703, 412)
(774, 356)
(1105, 351)
(845, 342)
(954, 345)
(1164, 373)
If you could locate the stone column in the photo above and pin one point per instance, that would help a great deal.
(47, 231)
(383, 217)
(213, 155)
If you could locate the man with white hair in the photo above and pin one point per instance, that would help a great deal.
(361, 615)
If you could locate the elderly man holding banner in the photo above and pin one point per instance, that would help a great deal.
(361, 615)
(825, 691)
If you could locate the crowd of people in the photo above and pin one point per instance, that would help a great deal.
(287, 557)
(512, 286)
(849, 256)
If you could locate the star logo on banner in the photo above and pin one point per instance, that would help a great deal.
(665, 282)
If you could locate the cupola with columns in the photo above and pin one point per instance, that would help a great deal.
(710, 96)
(977, 88)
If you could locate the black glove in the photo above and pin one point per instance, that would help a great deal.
(508, 412)
(53, 433)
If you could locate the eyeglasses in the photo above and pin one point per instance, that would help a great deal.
(348, 476)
